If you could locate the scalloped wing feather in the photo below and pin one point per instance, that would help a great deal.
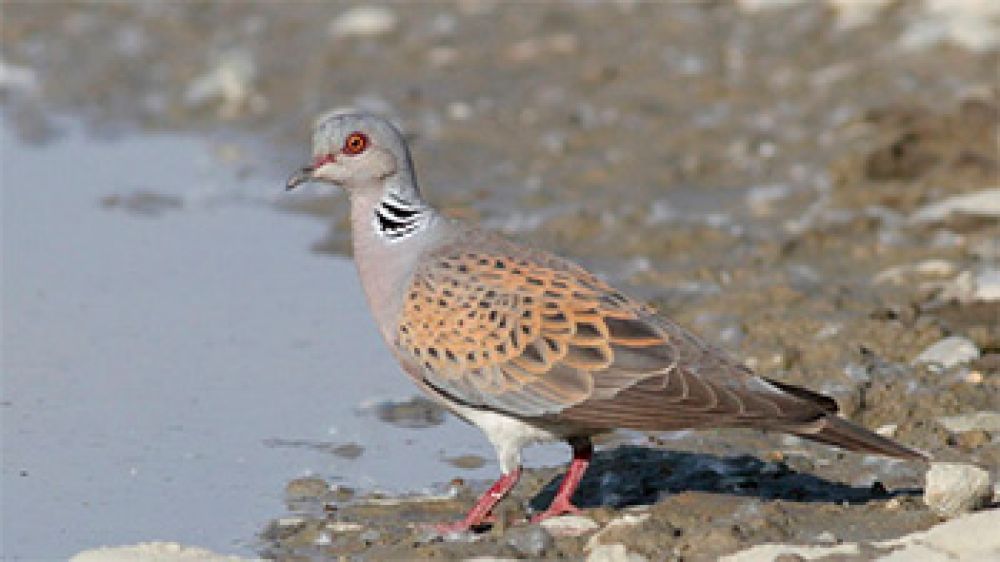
(532, 335)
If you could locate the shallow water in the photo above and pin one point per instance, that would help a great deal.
(173, 354)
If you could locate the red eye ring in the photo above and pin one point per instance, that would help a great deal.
(355, 143)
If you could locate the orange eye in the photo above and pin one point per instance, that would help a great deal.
(356, 143)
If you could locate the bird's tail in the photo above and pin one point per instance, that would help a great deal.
(834, 430)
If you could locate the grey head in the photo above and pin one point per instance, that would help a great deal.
(357, 151)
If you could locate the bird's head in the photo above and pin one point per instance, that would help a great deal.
(354, 151)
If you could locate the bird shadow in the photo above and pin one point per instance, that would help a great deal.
(631, 476)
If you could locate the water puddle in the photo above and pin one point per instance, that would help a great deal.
(173, 355)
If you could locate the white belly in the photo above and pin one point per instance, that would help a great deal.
(509, 435)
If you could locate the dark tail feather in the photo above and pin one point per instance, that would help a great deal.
(834, 430)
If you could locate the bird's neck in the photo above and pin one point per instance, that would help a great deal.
(390, 230)
(400, 214)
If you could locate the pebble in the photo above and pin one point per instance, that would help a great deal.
(532, 541)
(987, 286)
(955, 488)
(985, 204)
(17, 79)
(970, 440)
(230, 83)
(569, 525)
(927, 268)
(974, 377)
(972, 24)
(969, 538)
(306, 487)
(345, 527)
(948, 352)
(459, 111)
(985, 421)
(887, 430)
(968, 287)
(529, 49)
(826, 537)
(627, 520)
(762, 199)
(614, 553)
(363, 21)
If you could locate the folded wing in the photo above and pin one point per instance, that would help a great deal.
(534, 336)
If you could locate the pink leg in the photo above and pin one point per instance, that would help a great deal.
(480, 513)
(561, 504)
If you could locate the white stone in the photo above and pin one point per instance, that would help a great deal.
(985, 420)
(569, 525)
(627, 520)
(969, 287)
(973, 24)
(948, 352)
(926, 268)
(987, 286)
(17, 78)
(344, 526)
(154, 552)
(826, 537)
(985, 203)
(887, 430)
(230, 82)
(969, 538)
(614, 553)
(768, 552)
(363, 21)
(955, 488)
(459, 111)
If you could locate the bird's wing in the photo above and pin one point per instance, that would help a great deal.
(531, 335)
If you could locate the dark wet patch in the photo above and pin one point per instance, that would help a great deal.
(466, 461)
(143, 203)
(416, 413)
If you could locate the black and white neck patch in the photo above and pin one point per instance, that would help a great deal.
(396, 218)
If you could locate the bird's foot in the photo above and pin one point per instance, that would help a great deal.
(482, 512)
(555, 510)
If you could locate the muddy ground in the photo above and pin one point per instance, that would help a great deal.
(750, 172)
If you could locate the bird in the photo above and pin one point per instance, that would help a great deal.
(531, 347)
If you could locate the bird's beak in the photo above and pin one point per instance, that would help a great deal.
(301, 176)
